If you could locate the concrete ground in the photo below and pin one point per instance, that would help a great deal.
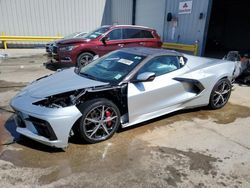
(194, 148)
(12, 52)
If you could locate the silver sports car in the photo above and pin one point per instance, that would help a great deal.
(124, 88)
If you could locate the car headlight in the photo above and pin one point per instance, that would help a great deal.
(67, 48)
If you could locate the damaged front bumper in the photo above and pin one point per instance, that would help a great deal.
(50, 126)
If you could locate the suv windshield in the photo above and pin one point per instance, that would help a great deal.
(111, 68)
(96, 33)
(72, 35)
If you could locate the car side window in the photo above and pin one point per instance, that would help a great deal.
(146, 34)
(161, 65)
(115, 34)
(129, 33)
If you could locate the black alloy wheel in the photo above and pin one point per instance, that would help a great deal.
(100, 120)
(220, 94)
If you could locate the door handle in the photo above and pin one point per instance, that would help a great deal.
(121, 45)
(142, 43)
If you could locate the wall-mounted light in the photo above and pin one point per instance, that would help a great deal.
(169, 17)
(201, 15)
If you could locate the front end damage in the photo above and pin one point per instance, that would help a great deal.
(50, 120)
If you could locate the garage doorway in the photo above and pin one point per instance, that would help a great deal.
(229, 28)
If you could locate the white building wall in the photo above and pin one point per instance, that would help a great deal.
(53, 17)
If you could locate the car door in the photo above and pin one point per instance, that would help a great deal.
(151, 99)
(149, 40)
(136, 37)
(113, 41)
(131, 37)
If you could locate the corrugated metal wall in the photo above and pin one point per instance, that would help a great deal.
(121, 12)
(52, 17)
(49, 17)
(189, 27)
(151, 13)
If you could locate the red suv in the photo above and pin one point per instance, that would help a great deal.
(80, 51)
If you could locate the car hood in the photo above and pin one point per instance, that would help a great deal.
(73, 41)
(59, 82)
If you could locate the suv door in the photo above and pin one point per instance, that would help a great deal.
(160, 96)
(134, 37)
(113, 41)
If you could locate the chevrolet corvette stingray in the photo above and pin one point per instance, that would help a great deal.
(122, 88)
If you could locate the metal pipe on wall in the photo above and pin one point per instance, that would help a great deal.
(133, 12)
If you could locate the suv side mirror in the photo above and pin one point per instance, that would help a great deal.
(104, 39)
(145, 77)
(95, 57)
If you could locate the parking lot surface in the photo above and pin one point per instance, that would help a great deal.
(191, 148)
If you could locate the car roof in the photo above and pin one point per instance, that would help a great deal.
(144, 51)
(128, 26)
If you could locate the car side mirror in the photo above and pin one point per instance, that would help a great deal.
(145, 77)
(104, 39)
(95, 57)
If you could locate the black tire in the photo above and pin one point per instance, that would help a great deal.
(220, 94)
(84, 58)
(100, 120)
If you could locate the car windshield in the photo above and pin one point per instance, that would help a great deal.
(96, 33)
(111, 68)
(72, 35)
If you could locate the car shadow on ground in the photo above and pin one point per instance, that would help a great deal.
(24, 141)
(54, 66)
(185, 111)
(243, 82)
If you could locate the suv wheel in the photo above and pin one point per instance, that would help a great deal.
(84, 59)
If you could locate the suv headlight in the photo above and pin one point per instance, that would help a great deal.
(67, 48)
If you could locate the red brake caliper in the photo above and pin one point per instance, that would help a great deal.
(108, 114)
